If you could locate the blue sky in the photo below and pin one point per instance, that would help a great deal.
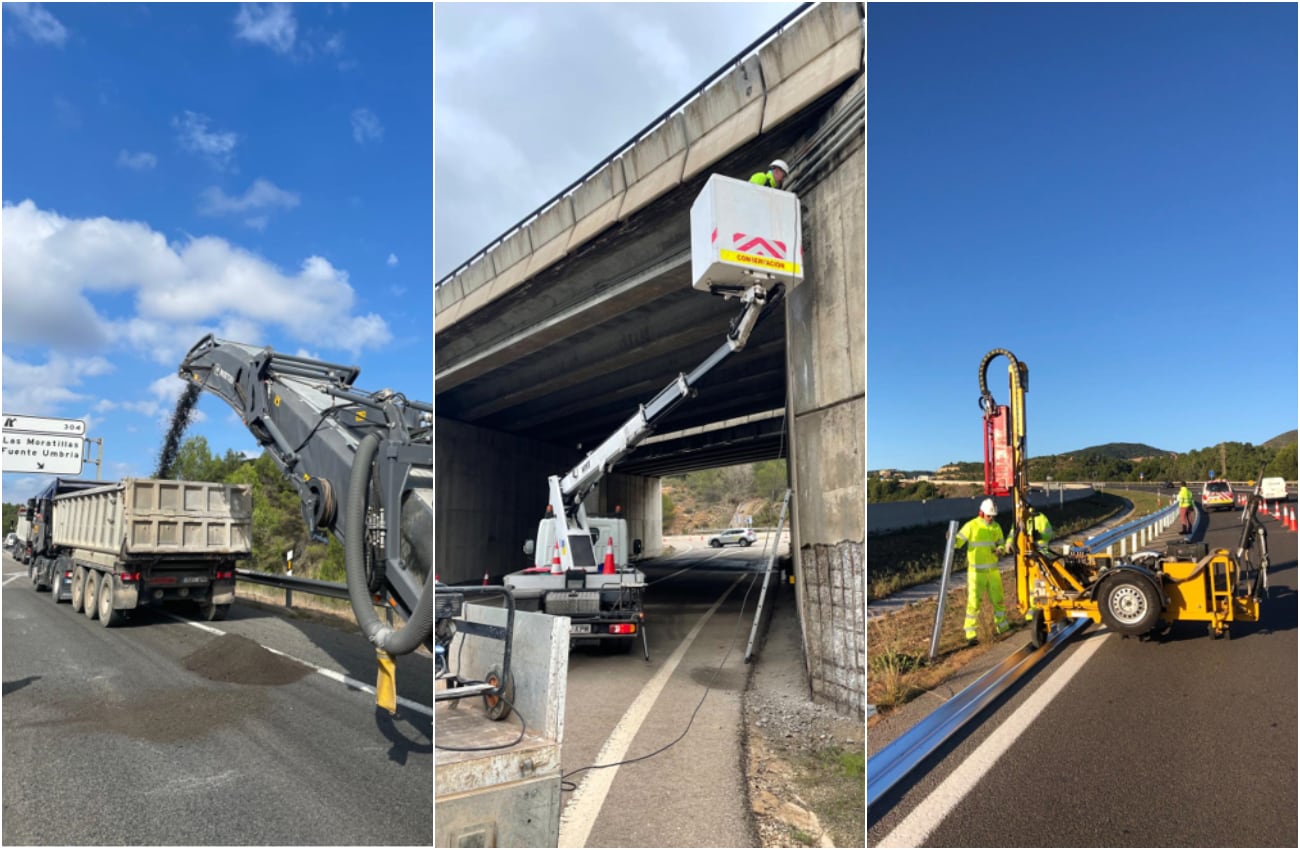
(1109, 191)
(258, 171)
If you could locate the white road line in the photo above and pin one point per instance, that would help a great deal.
(579, 816)
(930, 812)
(14, 576)
(324, 671)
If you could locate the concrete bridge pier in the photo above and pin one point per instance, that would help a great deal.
(826, 409)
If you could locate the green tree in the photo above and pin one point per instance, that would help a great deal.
(1283, 463)
(669, 509)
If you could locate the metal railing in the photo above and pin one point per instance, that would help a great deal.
(1130, 536)
(623, 148)
(289, 584)
(901, 756)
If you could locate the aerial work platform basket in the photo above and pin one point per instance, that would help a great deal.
(744, 234)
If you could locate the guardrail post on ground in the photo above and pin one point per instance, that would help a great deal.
(288, 593)
(943, 586)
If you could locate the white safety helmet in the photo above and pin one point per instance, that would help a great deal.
(780, 163)
(988, 507)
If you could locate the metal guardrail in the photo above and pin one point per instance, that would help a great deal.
(902, 755)
(641, 134)
(334, 590)
(1143, 528)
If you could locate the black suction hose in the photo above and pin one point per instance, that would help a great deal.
(420, 627)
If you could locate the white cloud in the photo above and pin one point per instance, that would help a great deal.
(67, 114)
(272, 26)
(258, 222)
(492, 37)
(38, 389)
(53, 265)
(333, 44)
(37, 23)
(217, 147)
(142, 161)
(392, 259)
(263, 194)
(366, 126)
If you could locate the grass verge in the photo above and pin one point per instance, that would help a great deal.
(910, 556)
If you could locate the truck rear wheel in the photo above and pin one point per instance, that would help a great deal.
(108, 617)
(78, 588)
(91, 595)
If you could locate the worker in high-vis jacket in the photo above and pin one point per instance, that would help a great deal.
(774, 176)
(983, 539)
(1186, 513)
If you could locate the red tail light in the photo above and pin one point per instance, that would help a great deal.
(225, 575)
(622, 629)
(67, 573)
(125, 577)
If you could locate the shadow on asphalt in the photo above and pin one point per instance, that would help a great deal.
(19, 684)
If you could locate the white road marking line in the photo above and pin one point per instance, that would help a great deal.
(915, 829)
(14, 576)
(579, 816)
(324, 671)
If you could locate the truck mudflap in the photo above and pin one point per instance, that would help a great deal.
(126, 596)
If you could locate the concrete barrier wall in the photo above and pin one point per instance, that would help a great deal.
(816, 53)
(892, 516)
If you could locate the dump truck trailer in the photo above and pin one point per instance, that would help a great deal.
(144, 541)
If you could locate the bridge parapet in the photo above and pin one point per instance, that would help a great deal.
(801, 59)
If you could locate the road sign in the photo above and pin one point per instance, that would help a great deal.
(44, 425)
(52, 454)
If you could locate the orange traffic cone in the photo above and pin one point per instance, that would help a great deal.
(1290, 512)
(556, 569)
(608, 568)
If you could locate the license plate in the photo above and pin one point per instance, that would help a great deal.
(580, 628)
(194, 580)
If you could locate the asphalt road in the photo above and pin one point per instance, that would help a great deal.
(692, 794)
(1182, 742)
(159, 732)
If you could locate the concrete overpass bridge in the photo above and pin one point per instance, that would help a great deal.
(549, 338)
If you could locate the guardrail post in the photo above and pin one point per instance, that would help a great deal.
(288, 594)
(943, 586)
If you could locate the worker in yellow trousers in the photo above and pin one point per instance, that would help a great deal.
(983, 539)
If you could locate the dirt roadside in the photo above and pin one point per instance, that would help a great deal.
(806, 763)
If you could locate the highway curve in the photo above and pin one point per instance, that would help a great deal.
(159, 731)
(1182, 742)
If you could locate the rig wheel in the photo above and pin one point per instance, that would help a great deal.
(1038, 629)
(498, 706)
(1129, 605)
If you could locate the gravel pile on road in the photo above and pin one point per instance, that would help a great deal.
(240, 661)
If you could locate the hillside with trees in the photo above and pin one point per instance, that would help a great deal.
(717, 498)
(1138, 461)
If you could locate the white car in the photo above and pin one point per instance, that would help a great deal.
(741, 536)
(10, 538)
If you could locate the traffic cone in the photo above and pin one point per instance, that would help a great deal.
(608, 568)
(1290, 513)
(485, 578)
(556, 569)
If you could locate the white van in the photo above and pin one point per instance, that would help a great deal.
(1273, 488)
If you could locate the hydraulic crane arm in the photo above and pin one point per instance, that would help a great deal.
(575, 485)
(362, 464)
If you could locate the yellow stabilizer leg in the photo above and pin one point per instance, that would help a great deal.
(386, 687)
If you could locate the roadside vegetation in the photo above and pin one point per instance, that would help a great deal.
(899, 559)
(712, 499)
